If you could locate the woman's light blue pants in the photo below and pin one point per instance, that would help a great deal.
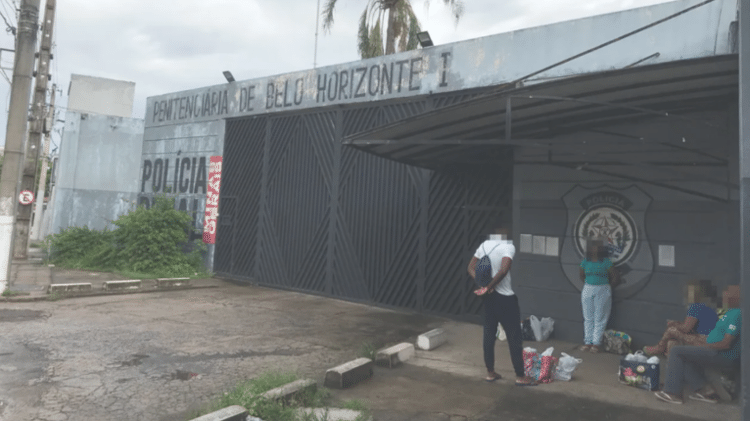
(596, 301)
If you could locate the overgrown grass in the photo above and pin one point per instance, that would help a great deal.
(54, 296)
(8, 293)
(247, 395)
(152, 243)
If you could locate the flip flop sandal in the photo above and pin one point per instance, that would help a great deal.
(524, 384)
(712, 398)
(663, 396)
(594, 349)
(493, 378)
(584, 348)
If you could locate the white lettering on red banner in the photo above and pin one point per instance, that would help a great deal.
(212, 200)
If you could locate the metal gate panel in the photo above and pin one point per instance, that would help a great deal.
(296, 235)
(446, 246)
(242, 170)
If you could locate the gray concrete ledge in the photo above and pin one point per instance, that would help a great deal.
(172, 282)
(128, 284)
(349, 374)
(432, 339)
(82, 286)
(230, 413)
(289, 390)
(395, 355)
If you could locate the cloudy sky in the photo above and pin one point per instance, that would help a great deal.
(171, 45)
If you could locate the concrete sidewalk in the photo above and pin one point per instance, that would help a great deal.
(31, 278)
(595, 378)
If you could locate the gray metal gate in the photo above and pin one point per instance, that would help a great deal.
(300, 211)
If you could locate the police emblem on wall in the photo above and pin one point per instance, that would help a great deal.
(618, 217)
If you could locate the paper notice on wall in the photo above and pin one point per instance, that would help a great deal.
(210, 219)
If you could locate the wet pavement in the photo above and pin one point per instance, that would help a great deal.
(161, 355)
(158, 356)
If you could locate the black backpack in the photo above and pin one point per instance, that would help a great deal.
(483, 269)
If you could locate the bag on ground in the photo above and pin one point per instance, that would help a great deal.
(616, 342)
(527, 334)
(536, 327)
(548, 325)
(501, 332)
(532, 364)
(566, 366)
(547, 366)
(639, 374)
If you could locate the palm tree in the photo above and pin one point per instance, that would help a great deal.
(400, 29)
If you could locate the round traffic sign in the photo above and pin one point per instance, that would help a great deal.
(26, 197)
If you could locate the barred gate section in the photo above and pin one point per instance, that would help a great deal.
(237, 235)
(315, 216)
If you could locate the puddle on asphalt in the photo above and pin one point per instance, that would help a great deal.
(9, 315)
(183, 375)
(136, 360)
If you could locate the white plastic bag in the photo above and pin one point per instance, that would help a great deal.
(536, 327)
(566, 366)
(548, 325)
(501, 332)
(548, 352)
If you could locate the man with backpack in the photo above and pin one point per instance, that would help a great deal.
(490, 268)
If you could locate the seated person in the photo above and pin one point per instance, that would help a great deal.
(700, 320)
(721, 350)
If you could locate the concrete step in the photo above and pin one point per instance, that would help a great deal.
(128, 284)
(82, 286)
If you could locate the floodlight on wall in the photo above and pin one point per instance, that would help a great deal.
(424, 39)
(228, 76)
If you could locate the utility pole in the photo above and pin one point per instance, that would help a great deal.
(38, 108)
(49, 122)
(15, 133)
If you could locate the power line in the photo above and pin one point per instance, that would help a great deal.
(10, 28)
(5, 9)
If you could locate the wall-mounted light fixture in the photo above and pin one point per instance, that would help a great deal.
(228, 75)
(424, 39)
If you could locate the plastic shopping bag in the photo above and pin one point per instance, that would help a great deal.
(501, 332)
(566, 366)
(548, 325)
(532, 364)
(536, 327)
(547, 366)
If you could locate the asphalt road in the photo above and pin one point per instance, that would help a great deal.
(157, 356)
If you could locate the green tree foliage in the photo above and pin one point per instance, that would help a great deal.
(149, 241)
(393, 18)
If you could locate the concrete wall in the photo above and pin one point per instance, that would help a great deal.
(174, 162)
(703, 232)
(97, 176)
(88, 94)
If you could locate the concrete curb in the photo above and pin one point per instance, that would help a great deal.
(395, 355)
(289, 390)
(103, 293)
(349, 374)
(230, 413)
(432, 339)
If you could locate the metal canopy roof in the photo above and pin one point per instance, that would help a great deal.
(479, 129)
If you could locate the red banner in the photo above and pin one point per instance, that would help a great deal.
(212, 200)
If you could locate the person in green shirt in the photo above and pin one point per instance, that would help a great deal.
(721, 350)
(599, 277)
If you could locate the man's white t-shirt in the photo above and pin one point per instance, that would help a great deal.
(497, 249)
